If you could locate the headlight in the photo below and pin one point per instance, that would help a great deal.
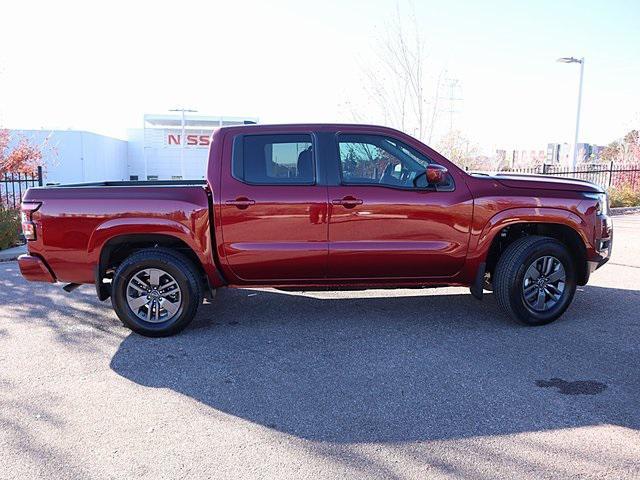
(602, 205)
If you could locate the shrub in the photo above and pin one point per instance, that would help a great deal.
(9, 227)
(624, 196)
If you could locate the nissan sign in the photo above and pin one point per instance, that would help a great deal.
(197, 140)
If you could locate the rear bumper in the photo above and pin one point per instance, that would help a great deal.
(35, 269)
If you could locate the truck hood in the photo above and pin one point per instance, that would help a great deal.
(546, 182)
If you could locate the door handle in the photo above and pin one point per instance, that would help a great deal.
(241, 202)
(347, 202)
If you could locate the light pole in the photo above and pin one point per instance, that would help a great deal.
(575, 140)
(182, 138)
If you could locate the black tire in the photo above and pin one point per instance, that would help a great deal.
(174, 265)
(509, 282)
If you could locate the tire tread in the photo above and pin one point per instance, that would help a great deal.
(508, 265)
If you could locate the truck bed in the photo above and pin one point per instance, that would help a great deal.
(77, 221)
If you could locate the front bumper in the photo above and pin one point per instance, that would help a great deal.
(603, 243)
(35, 269)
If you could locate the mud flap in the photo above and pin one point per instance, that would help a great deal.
(476, 288)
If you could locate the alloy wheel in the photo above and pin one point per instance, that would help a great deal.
(154, 295)
(544, 283)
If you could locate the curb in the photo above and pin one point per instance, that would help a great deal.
(12, 258)
(624, 210)
(12, 254)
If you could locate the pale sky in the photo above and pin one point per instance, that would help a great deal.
(100, 66)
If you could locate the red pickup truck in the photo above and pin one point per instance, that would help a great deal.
(305, 207)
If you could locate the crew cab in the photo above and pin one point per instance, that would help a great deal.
(318, 206)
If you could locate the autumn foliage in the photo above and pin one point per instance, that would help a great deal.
(23, 158)
(624, 150)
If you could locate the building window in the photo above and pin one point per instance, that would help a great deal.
(152, 178)
(133, 178)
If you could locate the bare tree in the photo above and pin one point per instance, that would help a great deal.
(624, 150)
(398, 82)
(463, 152)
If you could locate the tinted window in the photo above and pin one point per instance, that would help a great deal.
(274, 159)
(372, 159)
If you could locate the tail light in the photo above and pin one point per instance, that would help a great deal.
(29, 217)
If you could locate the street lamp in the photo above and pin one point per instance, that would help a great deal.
(182, 138)
(575, 141)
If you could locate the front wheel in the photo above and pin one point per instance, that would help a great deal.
(156, 292)
(535, 280)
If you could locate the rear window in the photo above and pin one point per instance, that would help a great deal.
(274, 159)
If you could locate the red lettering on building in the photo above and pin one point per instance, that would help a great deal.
(193, 140)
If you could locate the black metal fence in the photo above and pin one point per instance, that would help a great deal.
(608, 175)
(13, 186)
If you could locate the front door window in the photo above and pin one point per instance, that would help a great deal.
(376, 160)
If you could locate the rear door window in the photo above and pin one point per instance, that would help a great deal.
(274, 159)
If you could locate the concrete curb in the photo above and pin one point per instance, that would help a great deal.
(624, 210)
(12, 254)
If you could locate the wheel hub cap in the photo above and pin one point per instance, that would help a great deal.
(154, 295)
(544, 283)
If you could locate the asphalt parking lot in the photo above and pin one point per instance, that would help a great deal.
(376, 384)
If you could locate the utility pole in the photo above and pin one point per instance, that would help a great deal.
(454, 91)
(182, 138)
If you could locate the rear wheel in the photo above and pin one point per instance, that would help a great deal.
(156, 292)
(535, 280)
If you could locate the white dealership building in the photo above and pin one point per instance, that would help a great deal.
(169, 146)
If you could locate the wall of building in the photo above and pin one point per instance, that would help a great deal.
(104, 158)
(135, 153)
(71, 156)
(156, 151)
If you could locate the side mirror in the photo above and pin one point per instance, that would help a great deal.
(436, 174)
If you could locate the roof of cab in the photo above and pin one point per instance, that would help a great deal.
(318, 127)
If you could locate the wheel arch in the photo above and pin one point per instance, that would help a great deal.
(115, 248)
(507, 226)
